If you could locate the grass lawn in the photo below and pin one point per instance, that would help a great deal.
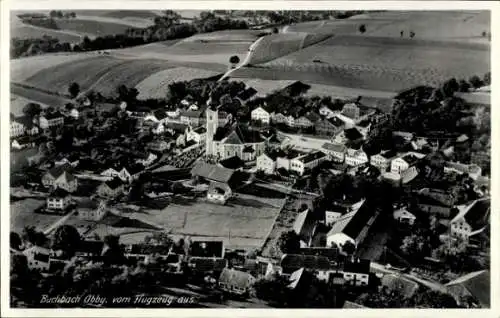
(21, 215)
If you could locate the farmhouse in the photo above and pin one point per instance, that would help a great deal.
(383, 160)
(435, 201)
(335, 151)
(284, 159)
(403, 216)
(338, 209)
(400, 165)
(193, 118)
(355, 157)
(198, 135)
(304, 227)
(147, 252)
(232, 140)
(55, 119)
(260, 114)
(111, 188)
(22, 143)
(266, 162)
(329, 126)
(38, 258)
(357, 272)
(305, 163)
(22, 125)
(58, 200)
(60, 177)
(471, 219)
(91, 210)
(158, 116)
(351, 227)
(235, 282)
(212, 173)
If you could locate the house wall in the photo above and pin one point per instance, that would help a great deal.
(460, 229)
(260, 114)
(331, 216)
(266, 164)
(338, 239)
(399, 165)
(16, 129)
(435, 209)
(358, 279)
(57, 203)
(356, 160)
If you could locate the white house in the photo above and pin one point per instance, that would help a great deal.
(197, 135)
(50, 120)
(306, 162)
(335, 151)
(284, 161)
(147, 160)
(471, 219)
(74, 113)
(260, 114)
(218, 192)
(404, 216)
(38, 258)
(357, 272)
(91, 210)
(328, 112)
(401, 164)
(383, 160)
(335, 211)
(266, 162)
(110, 173)
(58, 200)
(355, 157)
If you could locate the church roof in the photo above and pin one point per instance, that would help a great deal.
(237, 134)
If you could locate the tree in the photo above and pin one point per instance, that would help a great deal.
(15, 240)
(463, 86)
(289, 242)
(67, 239)
(53, 14)
(32, 109)
(475, 81)
(487, 78)
(31, 235)
(450, 87)
(415, 246)
(362, 28)
(113, 252)
(275, 30)
(348, 248)
(234, 59)
(74, 89)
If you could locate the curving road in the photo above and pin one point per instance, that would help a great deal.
(251, 51)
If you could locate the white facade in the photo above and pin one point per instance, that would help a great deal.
(338, 239)
(38, 258)
(404, 216)
(355, 157)
(16, 129)
(56, 203)
(92, 214)
(399, 165)
(381, 162)
(110, 173)
(358, 279)
(195, 136)
(331, 216)
(266, 164)
(261, 114)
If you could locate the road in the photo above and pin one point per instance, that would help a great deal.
(59, 222)
(430, 284)
(301, 142)
(251, 51)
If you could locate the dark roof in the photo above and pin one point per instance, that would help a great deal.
(87, 204)
(207, 264)
(42, 257)
(247, 93)
(56, 265)
(237, 134)
(233, 162)
(427, 200)
(313, 117)
(304, 224)
(178, 127)
(411, 159)
(90, 247)
(336, 121)
(200, 130)
(389, 154)
(207, 249)
(352, 224)
(352, 134)
(334, 147)
(59, 193)
(272, 154)
(357, 266)
(192, 113)
(312, 156)
(134, 168)
(53, 115)
(24, 120)
(212, 172)
(160, 114)
(114, 183)
(235, 278)
(478, 215)
(297, 88)
(148, 249)
(57, 171)
(364, 123)
(292, 262)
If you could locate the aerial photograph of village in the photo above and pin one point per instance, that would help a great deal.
(249, 159)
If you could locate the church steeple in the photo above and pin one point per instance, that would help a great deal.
(212, 124)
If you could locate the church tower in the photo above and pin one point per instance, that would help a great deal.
(212, 124)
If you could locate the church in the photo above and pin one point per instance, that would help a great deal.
(232, 139)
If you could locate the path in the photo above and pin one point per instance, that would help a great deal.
(251, 51)
(58, 223)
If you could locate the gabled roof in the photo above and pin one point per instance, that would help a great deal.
(477, 284)
(295, 278)
(352, 134)
(200, 130)
(233, 162)
(57, 171)
(365, 123)
(53, 115)
(337, 122)
(87, 203)
(410, 159)
(24, 120)
(207, 264)
(312, 156)
(247, 94)
(304, 224)
(212, 172)
(149, 249)
(334, 147)
(352, 223)
(237, 134)
(160, 114)
(178, 127)
(361, 266)
(235, 278)
(114, 183)
(59, 193)
(207, 249)
(292, 262)
(192, 113)
(271, 154)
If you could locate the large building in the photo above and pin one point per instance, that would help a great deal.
(232, 140)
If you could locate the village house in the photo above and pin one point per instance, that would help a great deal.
(305, 163)
(351, 227)
(352, 111)
(91, 210)
(329, 126)
(58, 200)
(225, 118)
(307, 121)
(38, 258)
(472, 170)
(158, 128)
(60, 177)
(475, 285)
(146, 159)
(158, 145)
(148, 252)
(356, 272)
(383, 160)
(321, 265)
(408, 136)
(219, 179)
(338, 209)
(266, 162)
(55, 119)
(218, 192)
(110, 173)
(207, 249)
(328, 112)
(111, 188)
(176, 129)
(235, 281)
(279, 118)
(355, 157)
(22, 143)
(403, 216)
(158, 116)
(260, 114)
(22, 125)
(336, 152)
(401, 164)
(435, 201)
(198, 135)
(72, 160)
(130, 173)
(193, 118)
(304, 226)
(471, 219)
(284, 159)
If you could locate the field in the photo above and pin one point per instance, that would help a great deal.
(156, 85)
(386, 64)
(21, 215)
(119, 14)
(28, 32)
(264, 87)
(243, 222)
(34, 95)
(97, 28)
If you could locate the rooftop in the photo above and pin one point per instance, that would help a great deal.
(475, 214)
(293, 262)
(312, 156)
(212, 172)
(352, 223)
(334, 147)
(352, 134)
(357, 266)
(237, 134)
